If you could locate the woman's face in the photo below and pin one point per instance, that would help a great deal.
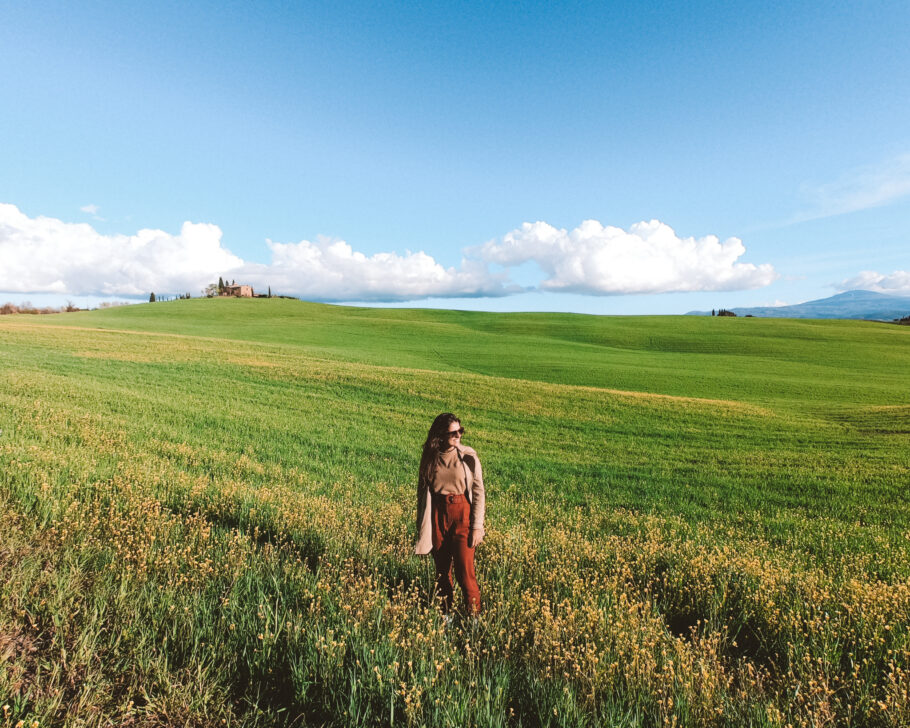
(455, 433)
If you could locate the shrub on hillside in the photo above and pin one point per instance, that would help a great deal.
(27, 307)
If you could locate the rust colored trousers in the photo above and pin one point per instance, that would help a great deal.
(451, 526)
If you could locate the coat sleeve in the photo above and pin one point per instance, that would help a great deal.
(424, 540)
(478, 494)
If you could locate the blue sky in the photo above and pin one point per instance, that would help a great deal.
(457, 151)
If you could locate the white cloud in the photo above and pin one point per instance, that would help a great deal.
(648, 258)
(46, 255)
(330, 270)
(859, 189)
(776, 303)
(896, 283)
(92, 210)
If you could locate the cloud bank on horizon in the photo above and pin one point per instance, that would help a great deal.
(897, 283)
(647, 258)
(47, 255)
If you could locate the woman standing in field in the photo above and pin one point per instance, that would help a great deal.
(450, 510)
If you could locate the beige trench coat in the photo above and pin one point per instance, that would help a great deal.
(475, 493)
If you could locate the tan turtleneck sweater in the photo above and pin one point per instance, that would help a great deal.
(449, 478)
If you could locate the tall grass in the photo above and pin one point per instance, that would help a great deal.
(212, 522)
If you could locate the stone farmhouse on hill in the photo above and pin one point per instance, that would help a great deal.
(240, 291)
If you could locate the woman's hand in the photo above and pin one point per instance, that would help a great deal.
(475, 537)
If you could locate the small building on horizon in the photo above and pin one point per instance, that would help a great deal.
(240, 291)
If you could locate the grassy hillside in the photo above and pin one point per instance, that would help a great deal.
(690, 519)
(749, 360)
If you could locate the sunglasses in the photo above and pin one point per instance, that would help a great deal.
(459, 431)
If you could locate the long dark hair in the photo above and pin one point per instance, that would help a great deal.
(437, 441)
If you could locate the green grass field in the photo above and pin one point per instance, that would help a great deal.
(208, 515)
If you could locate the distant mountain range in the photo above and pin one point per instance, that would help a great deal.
(848, 305)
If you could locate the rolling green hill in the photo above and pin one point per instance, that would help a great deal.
(756, 361)
(689, 518)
